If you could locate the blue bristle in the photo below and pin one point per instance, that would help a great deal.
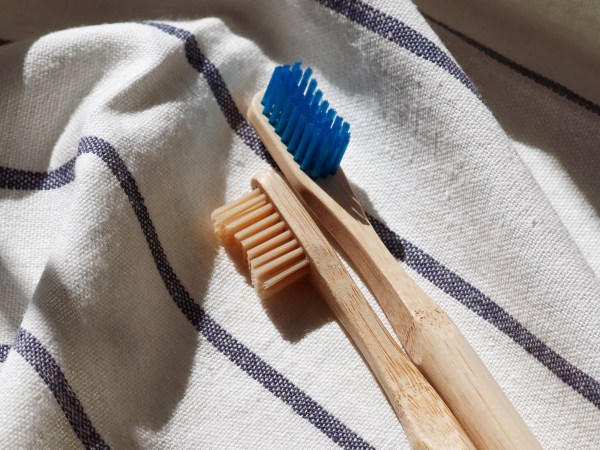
(286, 133)
(312, 86)
(325, 126)
(334, 141)
(271, 86)
(315, 105)
(313, 132)
(291, 86)
(283, 119)
(273, 89)
(286, 136)
(305, 140)
(297, 133)
(344, 139)
(308, 143)
(310, 150)
(320, 165)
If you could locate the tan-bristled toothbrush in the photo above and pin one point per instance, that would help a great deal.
(303, 134)
(283, 244)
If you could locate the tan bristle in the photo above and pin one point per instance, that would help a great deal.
(219, 211)
(275, 256)
(229, 218)
(254, 215)
(269, 245)
(258, 226)
(269, 256)
(274, 266)
(284, 278)
(230, 212)
(263, 236)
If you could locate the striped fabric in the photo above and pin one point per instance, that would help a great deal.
(123, 324)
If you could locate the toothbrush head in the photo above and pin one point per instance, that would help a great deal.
(275, 257)
(312, 131)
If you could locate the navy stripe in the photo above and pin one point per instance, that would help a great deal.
(207, 69)
(4, 352)
(528, 73)
(29, 180)
(41, 360)
(471, 297)
(467, 294)
(239, 354)
(392, 29)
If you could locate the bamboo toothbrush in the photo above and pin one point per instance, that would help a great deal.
(303, 135)
(282, 245)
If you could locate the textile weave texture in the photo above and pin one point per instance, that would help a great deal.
(124, 324)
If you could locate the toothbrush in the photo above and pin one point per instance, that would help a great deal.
(307, 140)
(282, 245)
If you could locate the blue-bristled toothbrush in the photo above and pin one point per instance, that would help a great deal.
(307, 139)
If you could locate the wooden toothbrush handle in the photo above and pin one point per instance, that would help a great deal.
(438, 348)
(427, 421)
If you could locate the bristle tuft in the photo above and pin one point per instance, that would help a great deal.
(312, 131)
(275, 257)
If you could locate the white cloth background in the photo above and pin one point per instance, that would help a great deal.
(118, 140)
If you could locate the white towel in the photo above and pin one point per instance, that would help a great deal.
(124, 325)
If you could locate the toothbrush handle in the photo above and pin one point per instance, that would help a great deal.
(427, 421)
(437, 347)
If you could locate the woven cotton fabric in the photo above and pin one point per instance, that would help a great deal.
(124, 324)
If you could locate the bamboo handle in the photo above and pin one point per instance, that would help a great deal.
(426, 419)
(440, 351)
(428, 334)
